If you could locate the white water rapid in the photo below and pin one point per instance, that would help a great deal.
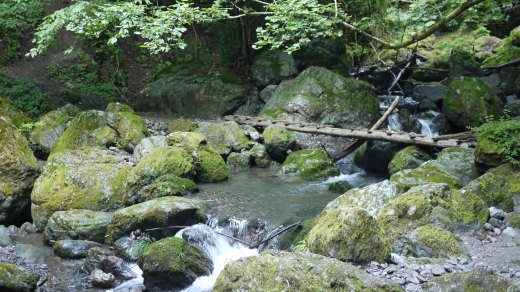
(426, 128)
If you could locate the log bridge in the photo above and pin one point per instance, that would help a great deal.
(465, 139)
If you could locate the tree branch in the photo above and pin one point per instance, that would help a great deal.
(454, 14)
(249, 14)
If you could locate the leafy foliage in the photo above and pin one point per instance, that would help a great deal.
(25, 95)
(505, 135)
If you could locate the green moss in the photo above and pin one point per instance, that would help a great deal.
(16, 278)
(468, 208)
(189, 141)
(442, 243)
(224, 137)
(497, 143)
(277, 141)
(131, 129)
(211, 166)
(409, 158)
(513, 220)
(310, 164)
(429, 172)
(183, 125)
(507, 52)
(119, 107)
(168, 185)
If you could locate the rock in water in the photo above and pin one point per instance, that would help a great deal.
(284, 271)
(310, 164)
(278, 141)
(77, 224)
(172, 264)
(18, 170)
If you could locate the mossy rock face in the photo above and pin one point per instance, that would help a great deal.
(340, 187)
(193, 90)
(87, 178)
(260, 156)
(88, 128)
(432, 241)
(497, 187)
(130, 248)
(240, 160)
(130, 127)
(171, 264)
(224, 137)
(495, 139)
(468, 101)
(413, 209)
(17, 279)
(50, 127)
(272, 270)
(310, 164)
(182, 125)
(166, 185)
(73, 249)
(160, 212)
(273, 67)
(507, 52)
(477, 280)
(436, 68)
(18, 169)
(409, 158)
(372, 197)
(348, 233)
(278, 141)
(169, 160)
(453, 166)
(189, 141)
(78, 225)
(146, 145)
(17, 118)
(468, 208)
(318, 95)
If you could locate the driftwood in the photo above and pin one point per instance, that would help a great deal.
(390, 136)
(352, 147)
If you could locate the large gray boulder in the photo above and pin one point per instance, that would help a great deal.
(321, 96)
(78, 225)
(272, 67)
(284, 271)
(18, 170)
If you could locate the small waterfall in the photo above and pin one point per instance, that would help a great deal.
(426, 128)
(220, 250)
(393, 122)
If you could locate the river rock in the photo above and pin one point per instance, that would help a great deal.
(88, 128)
(146, 145)
(100, 279)
(318, 95)
(272, 67)
(409, 158)
(468, 208)
(468, 101)
(497, 213)
(87, 178)
(95, 256)
(129, 126)
(191, 89)
(259, 154)
(50, 127)
(77, 224)
(172, 264)
(160, 161)
(165, 185)
(497, 187)
(372, 197)
(131, 248)
(266, 93)
(5, 236)
(377, 155)
(433, 92)
(278, 141)
(478, 280)
(492, 141)
(32, 254)
(73, 249)
(225, 137)
(463, 63)
(160, 212)
(348, 233)
(183, 125)
(310, 164)
(340, 187)
(117, 267)
(436, 68)
(240, 160)
(508, 51)
(453, 166)
(18, 170)
(432, 241)
(16, 278)
(272, 270)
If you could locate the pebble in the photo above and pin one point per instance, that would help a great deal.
(438, 270)
(98, 278)
(497, 213)
(488, 227)
(495, 222)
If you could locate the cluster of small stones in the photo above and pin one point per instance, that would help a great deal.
(156, 127)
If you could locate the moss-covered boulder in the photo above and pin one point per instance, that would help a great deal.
(146, 145)
(189, 141)
(130, 248)
(409, 158)
(468, 208)
(436, 68)
(340, 187)
(166, 185)
(507, 52)
(278, 141)
(169, 160)
(129, 126)
(432, 241)
(477, 280)
(224, 137)
(182, 125)
(453, 166)
(498, 143)
(310, 164)
(193, 89)
(87, 178)
(171, 264)
(372, 197)
(348, 233)
(14, 278)
(468, 101)
(242, 160)
(88, 128)
(50, 127)
(78, 225)
(497, 187)
(259, 155)
(160, 212)
(18, 170)
(321, 96)
(73, 249)
(284, 271)
(272, 67)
